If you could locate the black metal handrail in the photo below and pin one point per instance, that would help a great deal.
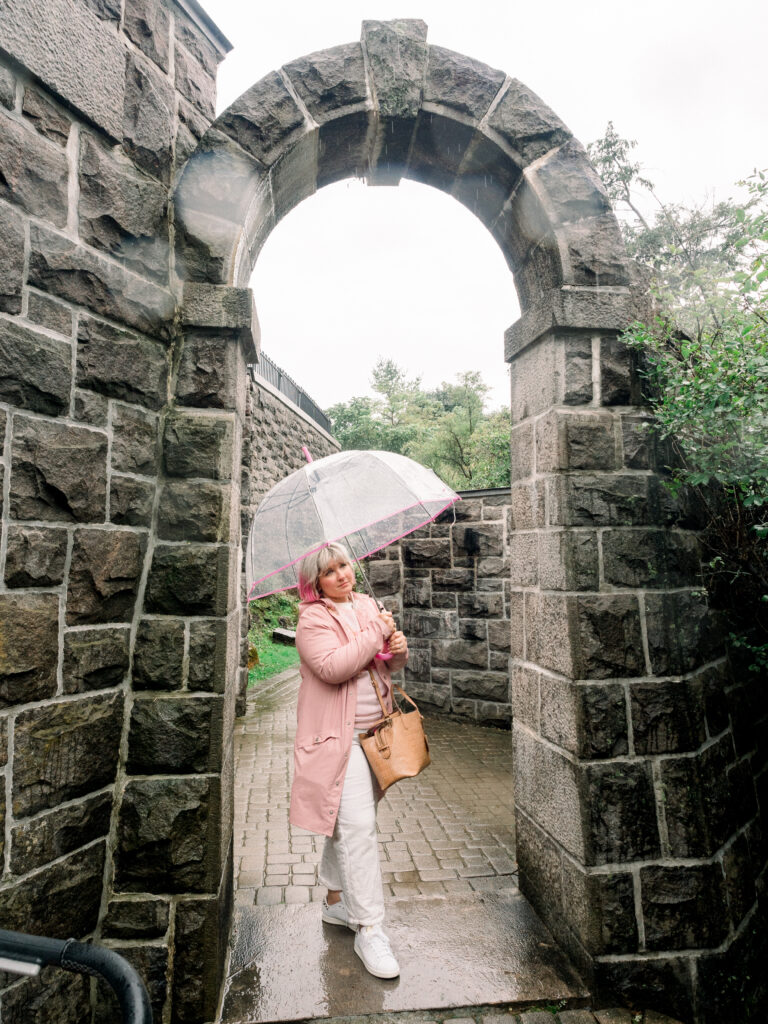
(26, 954)
(278, 378)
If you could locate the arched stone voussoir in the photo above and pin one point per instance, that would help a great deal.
(290, 181)
(568, 185)
(396, 57)
(333, 87)
(575, 203)
(337, 150)
(523, 122)
(265, 119)
(595, 252)
(539, 272)
(461, 83)
(524, 231)
(397, 61)
(219, 186)
(437, 153)
(487, 179)
(513, 128)
(447, 151)
(330, 82)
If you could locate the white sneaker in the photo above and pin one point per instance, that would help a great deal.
(337, 913)
(373, 948)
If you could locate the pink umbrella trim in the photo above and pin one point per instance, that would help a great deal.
(342, 537)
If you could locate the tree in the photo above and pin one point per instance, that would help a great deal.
(489, 450)
(449, 448)
(687, 249)
(445, 429)
(397, 391)
(388, 423)
(610, 155)
(705, 355)
(355, 426)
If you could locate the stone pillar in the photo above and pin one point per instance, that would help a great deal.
(174, 833)
(633, 811)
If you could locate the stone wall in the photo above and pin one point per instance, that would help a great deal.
(448, 584)
(101, 102)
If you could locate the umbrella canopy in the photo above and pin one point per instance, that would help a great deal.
(364, 499)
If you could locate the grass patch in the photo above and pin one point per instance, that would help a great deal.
(273, 658)
(268, 613)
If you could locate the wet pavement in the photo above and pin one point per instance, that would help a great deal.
(450, 830)
(470, 949)
(463, 934)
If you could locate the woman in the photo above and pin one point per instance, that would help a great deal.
(334, 790)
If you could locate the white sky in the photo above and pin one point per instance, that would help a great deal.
(408, 273)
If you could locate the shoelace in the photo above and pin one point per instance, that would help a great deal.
(378, 941)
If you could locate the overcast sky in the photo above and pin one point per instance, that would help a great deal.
(354, 273)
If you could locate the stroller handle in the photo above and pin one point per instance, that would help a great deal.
(26, 954)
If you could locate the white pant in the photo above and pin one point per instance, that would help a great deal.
(350, 860)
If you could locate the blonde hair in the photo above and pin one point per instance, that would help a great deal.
(312, 567)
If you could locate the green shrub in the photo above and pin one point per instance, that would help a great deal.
(705, 358)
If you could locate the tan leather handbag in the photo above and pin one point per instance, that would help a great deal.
(396, 746)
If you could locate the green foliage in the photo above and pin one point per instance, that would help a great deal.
(355, 426)
(398, 393)
(705, 358)
(447, 446)
(619, 175)
(709, 371)
(489, 450)
(267, 614)
(712, 400)
(445, 429)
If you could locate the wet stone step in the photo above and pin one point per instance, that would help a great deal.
(470, 950)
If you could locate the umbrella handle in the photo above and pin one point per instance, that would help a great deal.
(385, 654)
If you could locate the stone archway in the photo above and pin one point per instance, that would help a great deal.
(606, 622)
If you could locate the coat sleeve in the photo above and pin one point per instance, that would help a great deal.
(329, 657)
(397, 662)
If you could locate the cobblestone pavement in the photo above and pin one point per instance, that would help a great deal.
(449, 830)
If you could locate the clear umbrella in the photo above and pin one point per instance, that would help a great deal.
(366, 500)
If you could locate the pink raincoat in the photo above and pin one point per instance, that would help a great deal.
(332, 656)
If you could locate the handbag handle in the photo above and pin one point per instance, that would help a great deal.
(384, 711)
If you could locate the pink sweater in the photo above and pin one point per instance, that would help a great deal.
(368, 710)
(332, 655)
